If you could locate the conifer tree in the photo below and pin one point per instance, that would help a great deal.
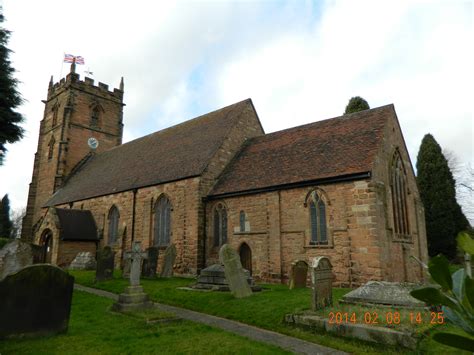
(356, 104)
(444, 217)
(5, 222)
(10, 98)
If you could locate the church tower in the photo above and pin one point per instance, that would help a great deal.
(79, 119)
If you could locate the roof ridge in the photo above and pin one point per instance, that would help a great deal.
(344, 117)
(176, 125)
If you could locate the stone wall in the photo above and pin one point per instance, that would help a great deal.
(66, 120)
(279, 232)
(185, 201)
(248, 126)
(396, 252)
(68, 250)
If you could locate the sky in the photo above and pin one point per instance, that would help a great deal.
(298, 61)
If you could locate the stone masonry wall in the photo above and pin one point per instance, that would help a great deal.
(68, 250)
(247, 126)
(184, 199)
(395, 252)
(66, 120)
(279, 231)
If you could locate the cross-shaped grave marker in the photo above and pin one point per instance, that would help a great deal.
(136, 255)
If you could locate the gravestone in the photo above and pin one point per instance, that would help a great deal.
(105, 264)
(36, 300)
(15, 256)
(299, 274)
(321, 277)
(168, 261)
(133, 298)
(383, 293)
(213, 278)
(150, 263)
(127, 264)
(83, 261)
(234, 272)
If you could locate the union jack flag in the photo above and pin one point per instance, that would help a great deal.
(69, 58)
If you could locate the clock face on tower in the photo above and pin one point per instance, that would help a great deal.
(93, 143)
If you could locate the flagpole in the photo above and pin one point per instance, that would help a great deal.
(62, 63)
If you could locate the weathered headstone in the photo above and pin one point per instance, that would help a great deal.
(299, 274)
(15, 256)
(35, 301)
(150, 263)
(127, 264)
(83, 261)
(168, 261)
(105, 264)
(133, 298)
(321, 277)
(234, 272)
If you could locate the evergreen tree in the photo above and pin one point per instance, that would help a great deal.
(356, 104)
(5, 222)
(10, 98)
(444, 217)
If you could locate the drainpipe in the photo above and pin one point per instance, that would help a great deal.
(133, 214)
(204, 237)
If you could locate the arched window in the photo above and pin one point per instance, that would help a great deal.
(317, 212)
(95, 116)
(162, 218)
(220, 225)
(398, 186)
(242, 221)
(114, 218)
(54, 110)
(51, 147)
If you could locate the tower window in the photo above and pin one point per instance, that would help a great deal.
(318, 220)
(162, 230)
(242, 221)
(95, 114)
(54, 110)
(398, 186)
(51, 148)
(220, 225)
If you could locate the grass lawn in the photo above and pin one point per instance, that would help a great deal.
(94, 329)
(265, 310)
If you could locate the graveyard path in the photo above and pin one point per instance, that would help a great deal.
(266, 336)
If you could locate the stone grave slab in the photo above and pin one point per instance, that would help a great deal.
(299, 274)
(234, 272)
(14, 256)
(105, 264)
(150, 263)
(213, 278)
(168, 261)
(83, 261)
(321, 277)
(36, 300)
(383, 293)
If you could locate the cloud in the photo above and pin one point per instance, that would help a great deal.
(299, 62)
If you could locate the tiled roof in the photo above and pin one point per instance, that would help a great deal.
(171, 154)
(334, 147)
(76, 225)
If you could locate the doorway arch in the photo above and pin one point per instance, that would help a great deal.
(246, 257)
(46, 243)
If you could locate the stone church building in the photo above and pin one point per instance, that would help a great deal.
(342, 187)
